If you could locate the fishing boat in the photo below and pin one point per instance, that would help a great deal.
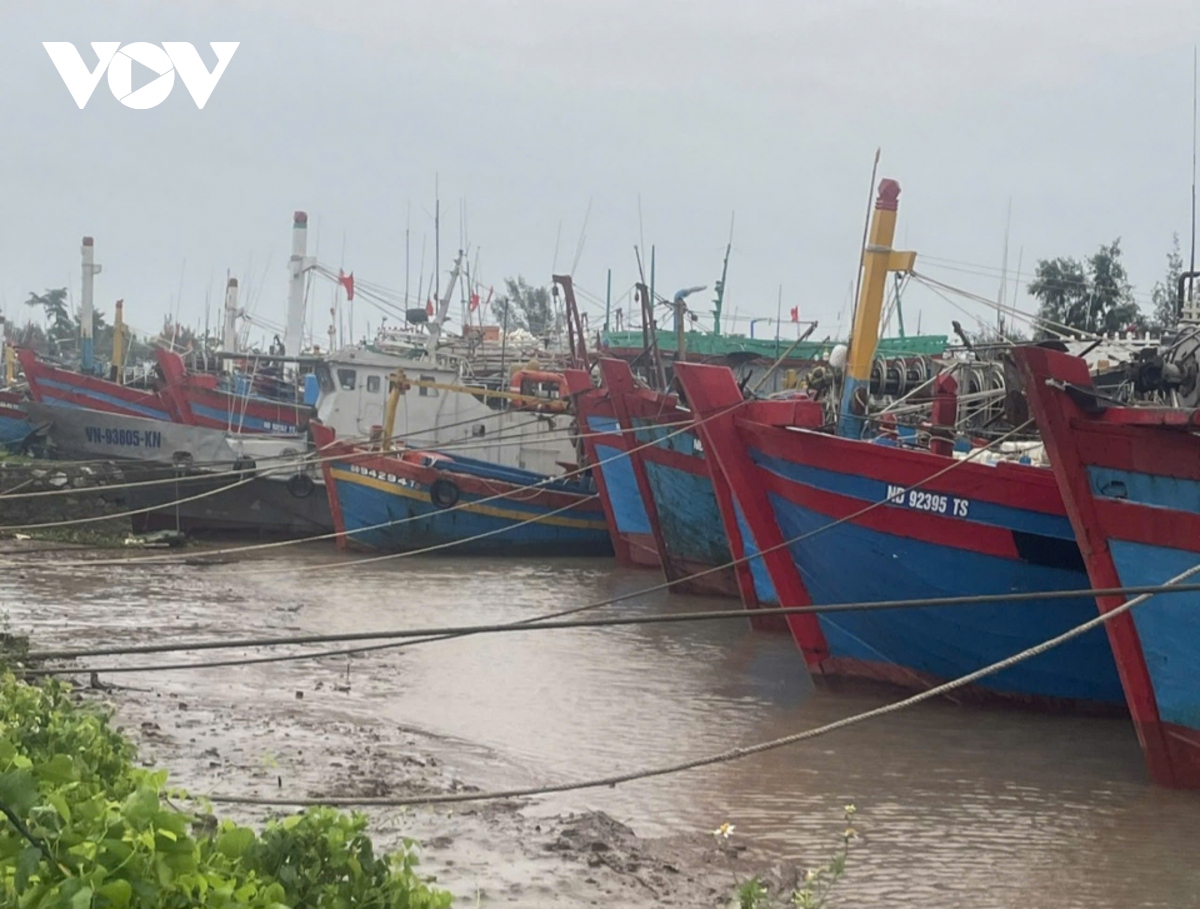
(401, 499)
(215, 401)
(670, 474)
(858, 517)
(607, 450)
(1130, 477)
(56, 385)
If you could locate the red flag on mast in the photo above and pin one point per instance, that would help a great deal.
(795, 313)
(347, 281)
(474, 304)
(429, 307)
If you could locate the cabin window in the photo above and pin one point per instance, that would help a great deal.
(428, 392)
(324, 379)
(372, 385)
(346, 379)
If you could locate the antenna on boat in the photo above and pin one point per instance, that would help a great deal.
(582, 237)
(719, 300)
(1192, 259)
(437, 233)
(407, 227)
(862, 248)
(1003, 292)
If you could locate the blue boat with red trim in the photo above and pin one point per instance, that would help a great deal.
(607, 447)
(671, 477)
(412, 500)
(846, 520)
(1130, 477)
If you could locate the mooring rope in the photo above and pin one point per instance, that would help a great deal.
(722, 757)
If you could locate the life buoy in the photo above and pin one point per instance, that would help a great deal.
(300, 485)
(443, 493)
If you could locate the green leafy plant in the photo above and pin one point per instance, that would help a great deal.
(84, 828)
(818, 881)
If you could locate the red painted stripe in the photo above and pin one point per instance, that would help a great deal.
(1014, 485)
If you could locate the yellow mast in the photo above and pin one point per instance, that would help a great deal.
(878, 259)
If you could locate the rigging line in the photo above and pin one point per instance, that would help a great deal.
(544, 623)
(428, 549)
(988, 271)
(279, 544)
(1055, 327)
(733, 562)
(304, 459)
(728, 755)
(962, 309)
(666, 585)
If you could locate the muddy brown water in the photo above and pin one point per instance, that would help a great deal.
(956, 805)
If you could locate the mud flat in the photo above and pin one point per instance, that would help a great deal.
(309, 742)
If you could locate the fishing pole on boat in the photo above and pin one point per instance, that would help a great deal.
(721, 757)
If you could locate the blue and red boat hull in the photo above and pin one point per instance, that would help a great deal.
(54, 385)
(200, 402)
(608, 451)
(673, 481)
(416, 501)
(1130, 477)
(975, 530)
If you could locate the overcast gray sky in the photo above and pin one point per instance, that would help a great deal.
(1079, 112)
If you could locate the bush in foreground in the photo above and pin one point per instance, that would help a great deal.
(84, 828)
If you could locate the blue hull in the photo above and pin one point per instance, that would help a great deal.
(849, 563)
(1167, 626)
(14, 431)
(688, 514)
(405, 519)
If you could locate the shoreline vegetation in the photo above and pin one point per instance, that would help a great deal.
(87, 822)
(87, 828)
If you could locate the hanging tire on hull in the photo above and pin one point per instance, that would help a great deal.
(300, 485)
(444, 493)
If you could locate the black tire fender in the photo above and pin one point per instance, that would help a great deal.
(300, 485)
(444, 493)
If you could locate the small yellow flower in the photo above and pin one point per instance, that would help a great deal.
(724, 831)
(850, 833)
(850, 809)
(810, 875)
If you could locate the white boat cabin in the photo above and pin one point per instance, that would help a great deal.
(353, 398)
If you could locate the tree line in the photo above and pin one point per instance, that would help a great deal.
(1095, 296)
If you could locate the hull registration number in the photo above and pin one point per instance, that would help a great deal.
(932, 502)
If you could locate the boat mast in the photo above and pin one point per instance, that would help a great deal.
(298, 265)
(878, 259)
(443, 309)
(720, 298)
(90, 270)
(229, 342)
